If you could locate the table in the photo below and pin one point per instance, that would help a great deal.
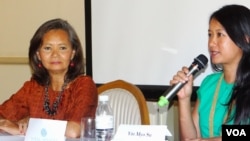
(7, 137)
(21, 138)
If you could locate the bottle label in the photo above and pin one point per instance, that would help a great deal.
(104, 122)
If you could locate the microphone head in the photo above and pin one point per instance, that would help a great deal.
(201, 61)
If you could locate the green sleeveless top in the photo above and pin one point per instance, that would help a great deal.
(211, 119)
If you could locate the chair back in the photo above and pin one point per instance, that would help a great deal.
(127, 102)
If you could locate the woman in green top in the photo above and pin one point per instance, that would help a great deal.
(223, 97)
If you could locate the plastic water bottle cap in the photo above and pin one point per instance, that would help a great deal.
(103, 98)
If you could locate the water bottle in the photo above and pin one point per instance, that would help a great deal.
(104, 120)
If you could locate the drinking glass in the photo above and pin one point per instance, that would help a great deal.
(87, 129)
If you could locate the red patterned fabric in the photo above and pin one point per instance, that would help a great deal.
(79, 99)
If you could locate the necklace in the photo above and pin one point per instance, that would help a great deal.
(212, 110)
(46, 105)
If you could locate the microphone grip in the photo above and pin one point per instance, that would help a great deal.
(171, 92)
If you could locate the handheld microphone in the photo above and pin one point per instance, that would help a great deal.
(198, 64)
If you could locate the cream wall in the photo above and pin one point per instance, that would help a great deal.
(12, 78)
(19, 20)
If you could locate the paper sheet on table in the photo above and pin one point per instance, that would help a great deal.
(141, 133)
(46, 129)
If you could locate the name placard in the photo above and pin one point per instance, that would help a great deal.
(45, 130)
(235, 132)
(141, 133)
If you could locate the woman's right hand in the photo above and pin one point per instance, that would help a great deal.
(181, 76)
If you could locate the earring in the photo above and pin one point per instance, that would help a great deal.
(39, 65)
(72, 64)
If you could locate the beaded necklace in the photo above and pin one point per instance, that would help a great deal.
(46, 105)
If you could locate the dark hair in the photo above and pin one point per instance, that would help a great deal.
(40, 74)
(236, 21)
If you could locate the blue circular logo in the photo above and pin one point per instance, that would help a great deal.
(43, 132)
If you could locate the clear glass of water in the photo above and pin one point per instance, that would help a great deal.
(87, 129)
